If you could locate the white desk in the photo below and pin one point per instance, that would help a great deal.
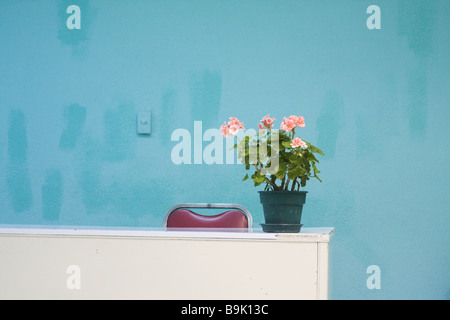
(136, 263)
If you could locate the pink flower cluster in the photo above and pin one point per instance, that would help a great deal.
(234, 125)
(267, 123)
(290, 123)
(231, 128)
(297, 142)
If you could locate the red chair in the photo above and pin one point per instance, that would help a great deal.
(180, 216)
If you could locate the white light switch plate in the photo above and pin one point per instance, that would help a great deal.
(144, 122)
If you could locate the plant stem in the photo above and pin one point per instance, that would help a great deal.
(293, 184)
(274, 186)
(287, 185)
(282, 183)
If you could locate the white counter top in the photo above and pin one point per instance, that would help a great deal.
(306, 234)
(72, 262)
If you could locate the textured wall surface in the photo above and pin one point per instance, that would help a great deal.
(374, 100)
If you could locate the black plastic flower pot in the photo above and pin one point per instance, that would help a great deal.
(282, 210)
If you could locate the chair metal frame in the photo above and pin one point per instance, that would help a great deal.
(210, 206)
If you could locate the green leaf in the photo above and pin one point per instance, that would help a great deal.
(303, 180)
(295, 172)
(286, 144)
(282, 168)
(314, 149)
(291, 175)
(315, 169)
(245, 178)
(312, 157)
(258, 178)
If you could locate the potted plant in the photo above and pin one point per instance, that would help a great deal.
(282, 162)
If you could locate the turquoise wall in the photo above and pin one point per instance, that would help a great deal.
(374, 100)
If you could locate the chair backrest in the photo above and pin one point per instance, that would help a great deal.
(180, 216)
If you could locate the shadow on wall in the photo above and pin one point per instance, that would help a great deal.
(74, 117)
(112, 181)
(74, 37)
(52, 195)
(120, 133)
(117, 146)
(17, 176)
(329, 122)
(416, 22)
(206, 94)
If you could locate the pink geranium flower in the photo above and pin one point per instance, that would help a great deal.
(288, 124)
(297, 142)
(292, 122)
(300, 122)
(234, 121)
(231, 128)
(267, 122)
(225, 131)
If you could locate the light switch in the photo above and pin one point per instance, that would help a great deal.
(144, 122)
